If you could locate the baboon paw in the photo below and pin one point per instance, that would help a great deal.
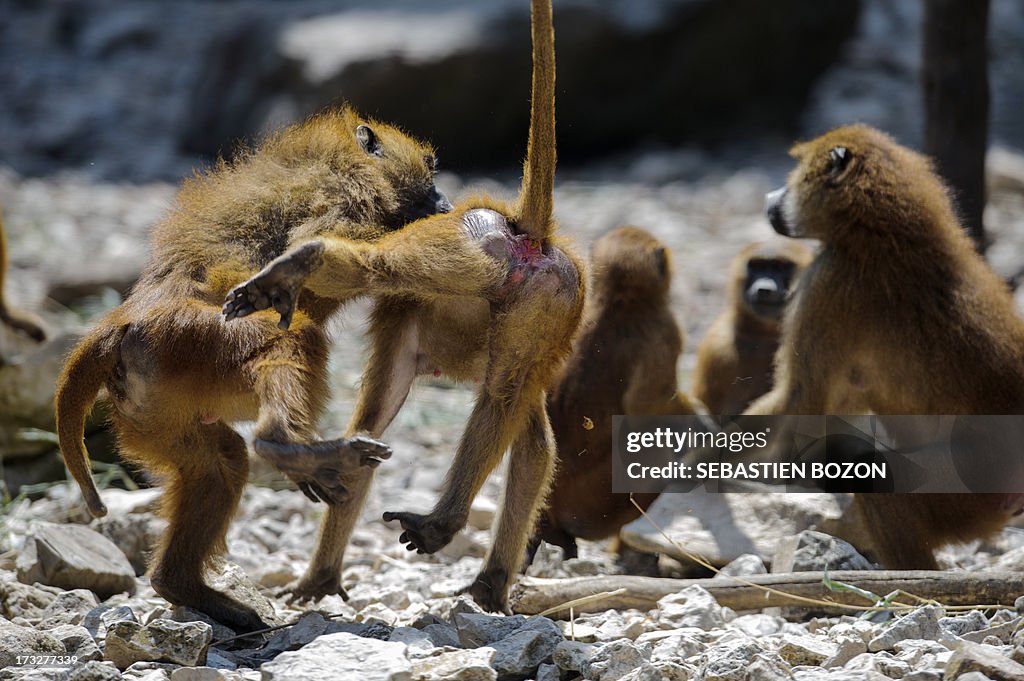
(317, 468)
(422, 533)
(277, 286)
(312, 589)
(490, 592)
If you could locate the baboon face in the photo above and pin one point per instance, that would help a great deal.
(764, 275)
(409, 166)
(850, 178)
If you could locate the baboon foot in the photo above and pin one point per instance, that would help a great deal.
(313, 587)
(490, 590)
(317, 467)
(423, 533)
(278, 285)
(219, 607)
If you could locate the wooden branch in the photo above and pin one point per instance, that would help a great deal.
(533, 595)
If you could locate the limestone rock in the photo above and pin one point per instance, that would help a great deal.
(74, 557)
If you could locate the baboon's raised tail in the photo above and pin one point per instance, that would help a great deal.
(534, 212)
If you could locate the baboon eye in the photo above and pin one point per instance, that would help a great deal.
(369, 141)
(839, 159)
(431, 162)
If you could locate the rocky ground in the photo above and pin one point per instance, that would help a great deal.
(65, 590)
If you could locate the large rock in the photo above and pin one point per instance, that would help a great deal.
(722, 527)
(74, 557)
(162, 640)
(341, 656)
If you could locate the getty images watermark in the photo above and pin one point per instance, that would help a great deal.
(935, 454)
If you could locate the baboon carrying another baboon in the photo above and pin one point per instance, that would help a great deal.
(177, 375)
(484, 291)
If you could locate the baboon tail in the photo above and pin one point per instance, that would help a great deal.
(534, 216)
(85, 372)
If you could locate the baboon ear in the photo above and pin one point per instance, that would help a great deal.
(369, 141)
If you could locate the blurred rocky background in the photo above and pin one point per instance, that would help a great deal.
(674, 115)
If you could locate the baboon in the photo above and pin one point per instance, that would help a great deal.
(734, 360)
(18, 321)
(623, 362)
(484, 291)
(178, 375)
(897, 314)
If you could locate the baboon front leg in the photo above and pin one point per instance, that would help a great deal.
(531, 465)
(487, 436)
(386, 382)
(289, 379)
(199, 500)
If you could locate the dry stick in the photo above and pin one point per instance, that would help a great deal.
(645, 590)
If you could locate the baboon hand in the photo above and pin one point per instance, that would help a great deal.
(278, 285)
(318, 468)
(423, 533)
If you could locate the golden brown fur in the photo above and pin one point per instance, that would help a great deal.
(734, 359)
(177, 374)
(897, 315)
(623, 362)
(18, 321)
(485, 291)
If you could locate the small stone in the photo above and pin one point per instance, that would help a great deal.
(730, 661)
(958, 625)
(77, 641)
(691, 607)
(479, 630)
(95, 671)
(197, 674)
(481, 513)
(377, 613)
(74, 557)
(417, 641)
(149, 671)
(25, 600)
(974, 657)
(572, 655)
(613, 660)
(548, 672)
(70, 607)
(743, 566)
(928, 675)
(456, 665)
(342, 656)
(846, 648)
(883, 663)
(15, 640)
(680, 646)
(805, 650)
(305, 631)
(758, 624)
(520, 653)
(811, 551)
(160, 641)
(443, 635)
(922, 623)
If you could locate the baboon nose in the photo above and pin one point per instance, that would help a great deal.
(443, 204)
(773, 208)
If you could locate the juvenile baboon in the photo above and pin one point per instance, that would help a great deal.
(178, 375)
(623, 362)
(734, 360)
(896, 315)
(12, 318)
(485, 291)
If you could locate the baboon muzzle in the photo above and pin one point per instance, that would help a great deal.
(773, 208)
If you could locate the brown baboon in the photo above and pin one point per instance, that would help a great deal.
(623, 362)
(178, 375)
(485, 291)
(734, 360)
(897, 314)
(12, 318)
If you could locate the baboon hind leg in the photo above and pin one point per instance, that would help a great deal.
(200, 497)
